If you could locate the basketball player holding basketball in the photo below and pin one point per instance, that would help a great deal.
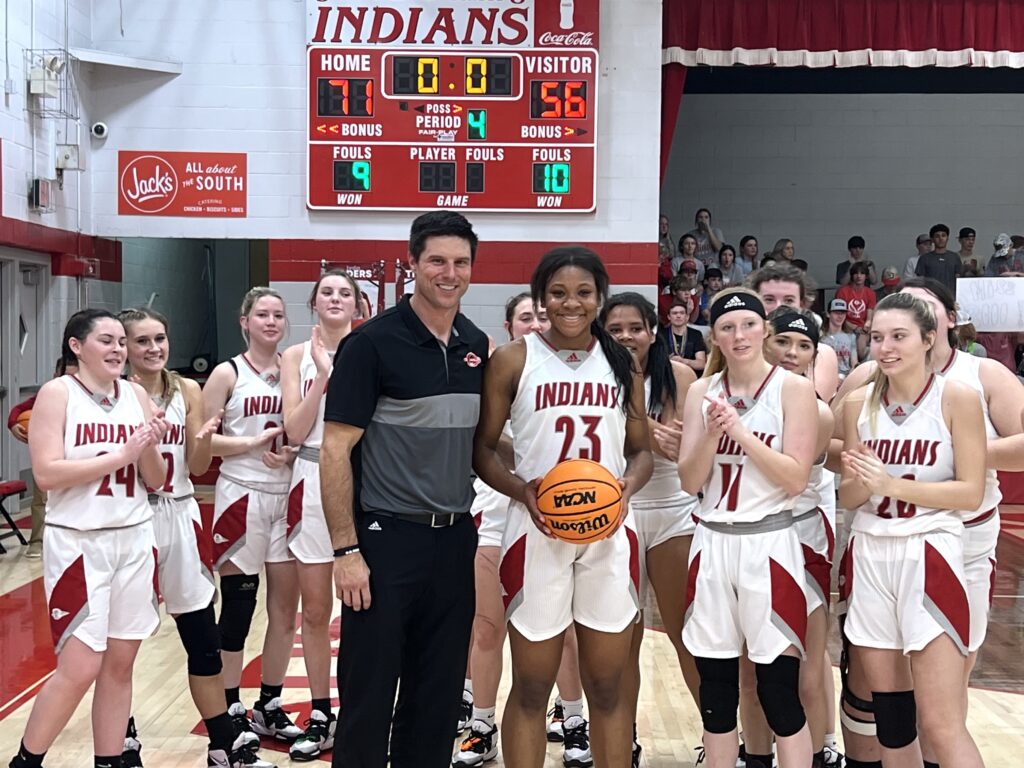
(185, 570)
(550, 584)
(305, 370)
(747, 442)
(793, 346)
(490, 509)
(93, 443)
(250, 510)
(914, 453)
(662, 514)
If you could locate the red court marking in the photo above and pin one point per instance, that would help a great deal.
(27, 646)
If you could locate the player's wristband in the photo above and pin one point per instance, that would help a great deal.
(342, 551)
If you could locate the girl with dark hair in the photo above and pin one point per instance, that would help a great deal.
(250, 525)
(914, 454)
(93, 445)
(732, 272)
(662, 514)
(748, 445)
(185, 578)
(550, 584)
(305, 370)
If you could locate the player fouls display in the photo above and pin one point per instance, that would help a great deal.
(471, 104)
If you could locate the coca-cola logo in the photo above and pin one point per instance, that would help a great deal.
(149, 184)
(570, 38)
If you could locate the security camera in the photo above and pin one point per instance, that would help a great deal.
(99, 130)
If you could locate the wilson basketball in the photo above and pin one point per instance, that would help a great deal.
(581, 501)
(23, 419)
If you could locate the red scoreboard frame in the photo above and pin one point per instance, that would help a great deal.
(487, 105)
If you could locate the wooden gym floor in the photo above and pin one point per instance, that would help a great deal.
(668, 723)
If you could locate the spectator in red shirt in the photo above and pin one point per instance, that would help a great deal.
(860, 299)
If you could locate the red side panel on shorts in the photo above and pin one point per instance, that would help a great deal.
(230, 527)
(691, 583)
(830, 535)
(992, 582)
(511, 572)
(947, 595)
(295, 507)
(846, 572)
(69, 602)
(634, 560)
(478, 518)
(205, 546)
(820, 570)
(789, 604)
(157, 597)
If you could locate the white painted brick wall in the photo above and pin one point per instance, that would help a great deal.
(819, 168)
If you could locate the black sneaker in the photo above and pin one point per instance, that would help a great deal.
(576, 743)
(319, 737)
(270, 719)
(833, 758)
(557, 715)
(465, 712)
(479, 746)
(242, 725)
(131, 755)
(637, 751)
(242, 755)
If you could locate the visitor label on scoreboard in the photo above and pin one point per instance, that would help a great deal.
(474, 104)
(207, 184)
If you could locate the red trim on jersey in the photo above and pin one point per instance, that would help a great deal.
(927, 387)
(251, 366)
(553, 348)
(788, 600)
(512, 571)
(204, 543)
(949, 363)
(295, 507)
(760, 389)
(90, 393)
(947, 594)
(68, 600)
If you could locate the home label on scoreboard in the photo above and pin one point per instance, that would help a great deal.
(463, 104)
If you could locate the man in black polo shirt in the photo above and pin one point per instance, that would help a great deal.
(396, 482)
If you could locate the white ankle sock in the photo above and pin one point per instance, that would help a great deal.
(486, 715)
(571, 708)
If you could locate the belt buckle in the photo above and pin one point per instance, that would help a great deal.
(434, 519)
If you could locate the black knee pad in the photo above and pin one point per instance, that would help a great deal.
(199, 634)
(895, 718)
(719, 693)
(238, 603)
(778, 690)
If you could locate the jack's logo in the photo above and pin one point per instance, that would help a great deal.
(149, 184)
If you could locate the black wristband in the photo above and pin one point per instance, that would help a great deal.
(349, 550)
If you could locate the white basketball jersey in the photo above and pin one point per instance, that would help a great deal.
(307, 375)
(737, 490)
(178, 482)
(966, 368)
(486, 497)
(254, 405)
(568, 406)
(913, 442)
(95, 424)
(664, 483)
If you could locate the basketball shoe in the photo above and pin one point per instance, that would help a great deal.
(555, 723)
(465, 711)
(242, 755)
(479, 746)
(271, 720)
(833, 758)
(131, 755)
(576, 743)
(242, 725)
(319, 737)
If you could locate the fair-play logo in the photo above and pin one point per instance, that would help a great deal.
(149, 184)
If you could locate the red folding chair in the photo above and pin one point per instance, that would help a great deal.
(10, 488)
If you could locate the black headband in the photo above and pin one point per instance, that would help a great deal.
(731, 302)
(793, 322)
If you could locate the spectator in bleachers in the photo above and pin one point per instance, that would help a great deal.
(971, 264)
(747, 256)
(712, 285)
(860, 299)
(665, 239)
(924, 244)
(688, 252)
(1006, 260)
(840, 336)
(890, 283)
(684, 344)
(709, 239)
(939, 263)
(684, 287)
(967, 335)
(855, 247)
(665, 271)
(801, 265)
(783, 252)
(732, 273)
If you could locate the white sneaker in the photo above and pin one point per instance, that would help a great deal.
(271, 720)
(319, 737)
(480, 746)
(576, 743)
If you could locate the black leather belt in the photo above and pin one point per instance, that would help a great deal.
(433, 521)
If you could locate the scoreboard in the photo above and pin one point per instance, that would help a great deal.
(483, 105)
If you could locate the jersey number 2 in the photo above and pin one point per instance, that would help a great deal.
(903, 508)
(730, 486)
(566, 426)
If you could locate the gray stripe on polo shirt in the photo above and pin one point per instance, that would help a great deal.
(454, 410)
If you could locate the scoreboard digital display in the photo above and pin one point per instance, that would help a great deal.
(413, 108)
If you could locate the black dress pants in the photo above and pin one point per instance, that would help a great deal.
(414, 637)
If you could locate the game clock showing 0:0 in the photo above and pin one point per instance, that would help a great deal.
(421, 76)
